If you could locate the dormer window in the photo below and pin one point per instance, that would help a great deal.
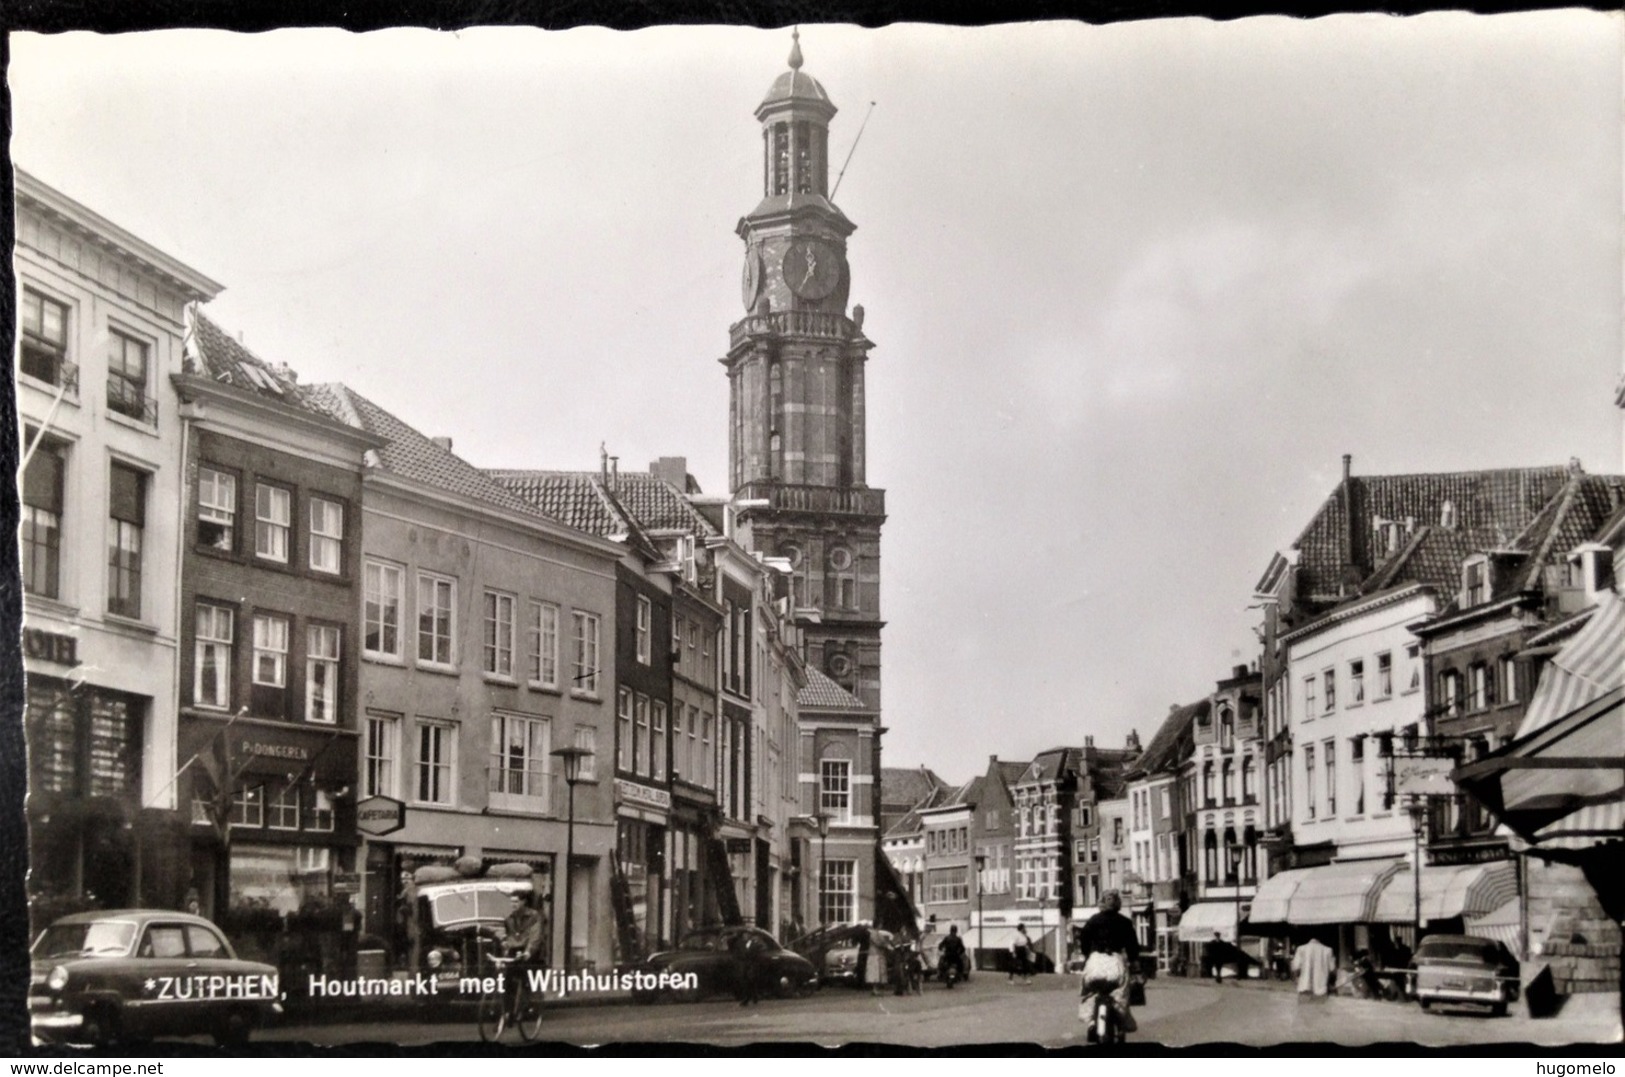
(1475, 583)
(1447, 516)
(1591, 568)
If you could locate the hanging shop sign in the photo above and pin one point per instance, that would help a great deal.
(379, 816)
(1424, 775)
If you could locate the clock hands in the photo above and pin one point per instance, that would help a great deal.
(812, 265)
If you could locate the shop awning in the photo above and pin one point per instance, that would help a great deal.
(1344, 893)
(1588, 666)
(1199, 922)
(1501, 923)
(1448, 892)
(1561, 786)
(1000, 937)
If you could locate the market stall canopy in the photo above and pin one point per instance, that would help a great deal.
(999, 937)
(1201, 921)
(1448, 891)
(1342, 893)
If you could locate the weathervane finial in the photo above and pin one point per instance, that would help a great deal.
(795, 49)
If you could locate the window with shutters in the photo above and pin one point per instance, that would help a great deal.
(127, 518)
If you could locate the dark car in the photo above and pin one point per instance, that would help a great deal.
(706, 962)
(133, 974)
(1466, 969)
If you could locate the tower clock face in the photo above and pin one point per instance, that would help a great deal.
(751, 283)
(811, 268)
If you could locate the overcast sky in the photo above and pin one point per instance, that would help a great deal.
(1134, 288)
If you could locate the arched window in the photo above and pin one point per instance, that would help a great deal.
(1210, 857)
(1231, 850)
(1227, 728)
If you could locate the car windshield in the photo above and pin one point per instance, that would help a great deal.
(1457, 950)
(101, 938)
(465, 906)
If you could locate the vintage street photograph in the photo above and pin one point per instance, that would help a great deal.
(1048, 533)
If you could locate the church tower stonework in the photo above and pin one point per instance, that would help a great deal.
(795, 368)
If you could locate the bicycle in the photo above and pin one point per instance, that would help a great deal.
(496, 1013)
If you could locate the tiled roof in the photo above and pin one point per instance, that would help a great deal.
(220, 356)
(1490, 508)
(1165, 747)
(412, 455)
(1578, 513)
(909, 786)
(632, 499)
(908, 823)
(823, 692)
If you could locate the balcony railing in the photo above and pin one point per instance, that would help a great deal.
(49, 366)
(819, 499)
(794, 323)
(126, 399)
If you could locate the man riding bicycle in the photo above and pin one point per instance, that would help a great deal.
(522, 938)
(1109, 932)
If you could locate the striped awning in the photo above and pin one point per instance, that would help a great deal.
(1202, 921)
(1589, 665)
(1448, 892)
(1502, 923)
(1561, 783)
(1342, 893)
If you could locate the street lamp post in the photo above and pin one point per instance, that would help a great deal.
(981, 861)
(822, 821)
(573, 758)
(1418, 808)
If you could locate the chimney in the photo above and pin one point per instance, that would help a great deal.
(614, 472)
(673, 470)
(1132, 741)
(992, 760)
(1238, 671)
(1348, 515)
(1088, 741)
(443, 442)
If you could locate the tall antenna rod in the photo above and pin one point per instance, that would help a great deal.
(851, 151)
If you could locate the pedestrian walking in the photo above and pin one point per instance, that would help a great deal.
(746, 948)
(1021, 949)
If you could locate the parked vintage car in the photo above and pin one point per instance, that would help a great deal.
(833, 951)
(134, 974)
(708, 953)
(1467, 969)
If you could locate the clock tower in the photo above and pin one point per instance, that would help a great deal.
(795, 367)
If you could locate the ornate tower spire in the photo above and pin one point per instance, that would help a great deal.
(796, 365)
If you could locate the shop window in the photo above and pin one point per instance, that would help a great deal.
(248, 806)
(84, 742)
(282, 810)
